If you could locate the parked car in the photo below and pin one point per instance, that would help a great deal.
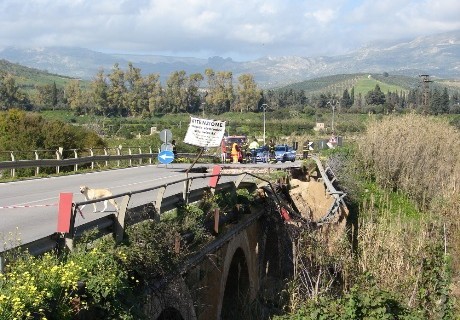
(262, 154)
(284, 153)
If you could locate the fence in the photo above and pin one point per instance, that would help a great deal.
(80, 157)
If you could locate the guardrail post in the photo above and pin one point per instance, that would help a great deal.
(59, 157)
(120, 225)
(150, 158)
(92, 155)
(68, 237)
(37, 169)
(187, 184)
(158, 202)
(216, 220)
(238, 181)
(106, 161)
(140, 152)
(13, 171)
(75, 167)
(119, 154)
(130, 160)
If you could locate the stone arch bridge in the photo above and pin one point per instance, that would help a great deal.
(250, 259)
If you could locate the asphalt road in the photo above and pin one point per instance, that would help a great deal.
(29, 208)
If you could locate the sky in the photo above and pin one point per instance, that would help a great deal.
(239, 29)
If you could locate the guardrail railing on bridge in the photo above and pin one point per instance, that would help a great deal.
(80, 157)
(116, 223)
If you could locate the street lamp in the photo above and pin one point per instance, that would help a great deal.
(264, 106)
(202, 106)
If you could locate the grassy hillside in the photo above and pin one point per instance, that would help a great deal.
(27, 78)
(362, 82)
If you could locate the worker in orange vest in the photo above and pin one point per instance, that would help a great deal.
(235, 151)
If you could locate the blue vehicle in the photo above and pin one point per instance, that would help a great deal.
(284, 153)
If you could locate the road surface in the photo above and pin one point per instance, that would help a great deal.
(28, 209)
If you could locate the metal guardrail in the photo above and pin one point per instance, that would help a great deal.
(338, 195)
(76, 161)
(115, 223)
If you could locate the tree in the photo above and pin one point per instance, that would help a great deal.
(75, 97)
(175, 93)
(346, 101)
(375, 97)
(220, 91)
(154, 93)
(248, 93)
(352, 95)
(445, 101)
(99, 94)
(10, 95)
(193, 95)
(46, 95)
(116, 94)
(436, 103)
(137, 94)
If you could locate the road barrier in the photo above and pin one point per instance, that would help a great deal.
(80, 157)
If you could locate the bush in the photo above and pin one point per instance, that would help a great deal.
(60, 288)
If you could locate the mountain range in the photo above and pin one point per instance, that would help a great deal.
(436, 55)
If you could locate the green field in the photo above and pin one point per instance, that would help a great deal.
(368, 83)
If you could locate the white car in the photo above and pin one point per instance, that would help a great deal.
(284, 153)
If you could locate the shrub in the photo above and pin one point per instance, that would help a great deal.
(60, 288)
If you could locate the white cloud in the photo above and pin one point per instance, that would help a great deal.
(241, 28)
(323, 16)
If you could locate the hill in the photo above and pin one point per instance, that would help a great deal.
(437, 55)
(27, 77)
(365, 82)
(361, 82)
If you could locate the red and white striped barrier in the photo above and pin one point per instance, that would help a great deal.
(29, 206)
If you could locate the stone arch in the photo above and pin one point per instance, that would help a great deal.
(275, 256)
(236, 291)
(271, 260)
(173, 301)
(170, 314)
(238, 258)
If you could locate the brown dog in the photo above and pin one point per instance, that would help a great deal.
(93, 194)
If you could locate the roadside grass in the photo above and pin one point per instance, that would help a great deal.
(388, 203)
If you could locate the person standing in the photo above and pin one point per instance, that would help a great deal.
(305, 149)
(174, 148)
(271, 150)
(235, 150)
(253, 146)
(223, 151)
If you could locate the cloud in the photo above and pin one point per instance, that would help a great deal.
(240, 29)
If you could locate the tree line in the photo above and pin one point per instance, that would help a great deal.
(437, 101)
(127, 93)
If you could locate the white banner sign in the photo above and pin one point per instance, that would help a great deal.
(205, 133)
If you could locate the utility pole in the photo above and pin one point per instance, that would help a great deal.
(264, 106)
(425, 80)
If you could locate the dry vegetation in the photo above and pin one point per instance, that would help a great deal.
(414, 154)
(406, 238)
(420, 157)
